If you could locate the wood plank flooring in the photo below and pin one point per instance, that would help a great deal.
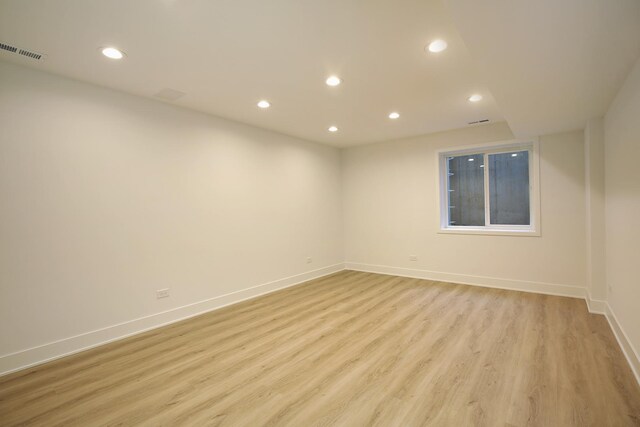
(351, 349)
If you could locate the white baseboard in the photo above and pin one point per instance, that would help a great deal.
(595, 306)
(55, 350)
(623, 340)
(488, 282)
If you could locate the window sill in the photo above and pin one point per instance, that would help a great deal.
(490, 231)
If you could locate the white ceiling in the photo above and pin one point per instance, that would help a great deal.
(550, 64)
(228, 54)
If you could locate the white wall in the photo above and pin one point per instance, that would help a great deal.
(390, 213)
(622, 180)
(595, 226)
(106, 197)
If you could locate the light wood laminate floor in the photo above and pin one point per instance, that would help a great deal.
(351, 349)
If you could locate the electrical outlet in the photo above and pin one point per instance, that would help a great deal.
(309, 260)
(413, 257)
(162, 293)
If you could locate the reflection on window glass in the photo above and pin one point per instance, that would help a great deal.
(465, 185)
(509, 188)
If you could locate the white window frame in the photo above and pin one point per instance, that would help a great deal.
(533, 147)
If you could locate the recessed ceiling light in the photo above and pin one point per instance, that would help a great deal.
(333, 129)
(394, 115)
(475, 98)
(471, 160)
(437, 46)
(333, 81)
(264, 104)
(112, 52)
(514, 155)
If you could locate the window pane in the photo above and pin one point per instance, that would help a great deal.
(509, 188)
(465, 186)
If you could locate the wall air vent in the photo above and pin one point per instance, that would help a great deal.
(478, 121)
(23, 52)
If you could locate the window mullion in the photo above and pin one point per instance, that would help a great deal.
(487, 207)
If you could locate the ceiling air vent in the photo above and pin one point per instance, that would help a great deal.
(8, 48)
(30, 54)
(478, 121)
(23, 52)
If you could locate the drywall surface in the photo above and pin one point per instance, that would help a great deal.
(108, 197)
(622, 182)
(390, 213)
(594, 182)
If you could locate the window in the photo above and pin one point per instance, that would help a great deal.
(490, 190)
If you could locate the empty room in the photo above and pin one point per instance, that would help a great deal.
(319, 213)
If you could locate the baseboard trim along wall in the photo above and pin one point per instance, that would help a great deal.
(65, 347)
(45, 353)
(627, 348)
(489, 282)
(595, 306)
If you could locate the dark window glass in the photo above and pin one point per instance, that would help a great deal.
(509, 188)
(465, 185)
